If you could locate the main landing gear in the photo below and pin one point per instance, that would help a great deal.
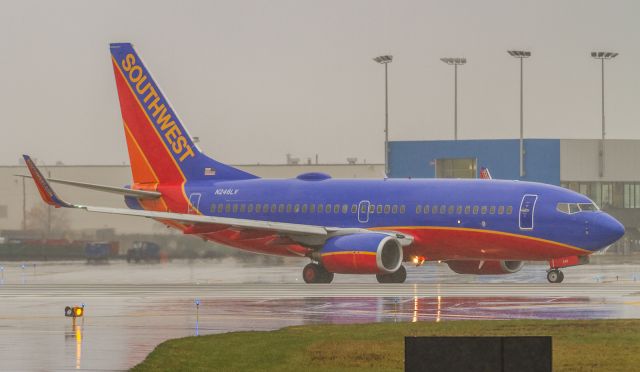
(315, 273)
(399, 276)
(555, 276)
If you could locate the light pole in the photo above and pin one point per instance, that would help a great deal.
(385, 60)
(455, 62)
(602, 56)
(521, 54)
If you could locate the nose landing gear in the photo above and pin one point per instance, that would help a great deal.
(555, 276)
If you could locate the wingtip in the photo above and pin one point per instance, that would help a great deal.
(46, 192)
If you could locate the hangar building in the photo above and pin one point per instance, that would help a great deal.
(571, 163)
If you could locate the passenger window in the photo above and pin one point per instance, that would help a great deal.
(235, 208)
(336, 208)
(258, 208)
(312, 208)
(227, 208)
(434, 210)
(475, 209)
(289, 208)
(212, 208)
(354, 208)
(379, 209)
(443, 209)
(220, 206)
(243, 207)
(492, 210)
(320, 208)
(501, 209)
(363, 208)
(459, 210)
(304, 208)
(280, 208)
(483, 210)
(402, 209)
(327, 208)
(450, 210)
(250, 208)
(345, 209)
(273, 208)
(265, 208)
(372, 208)
(509, 209)
(394, 209)
(467, 209)
(426, 209)
(418, 209)
(387, 209)
(296, 208)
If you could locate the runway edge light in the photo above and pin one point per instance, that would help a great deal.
(74, 311)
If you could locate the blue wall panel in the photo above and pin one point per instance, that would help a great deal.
(417, 158)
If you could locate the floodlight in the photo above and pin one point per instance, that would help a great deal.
(604, 55)
(384, 59)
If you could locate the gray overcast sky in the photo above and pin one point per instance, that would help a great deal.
(258, 79)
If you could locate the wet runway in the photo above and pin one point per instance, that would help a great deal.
(132, 308)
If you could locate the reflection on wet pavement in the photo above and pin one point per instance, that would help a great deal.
(131, 310)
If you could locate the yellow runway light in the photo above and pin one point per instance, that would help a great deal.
(74, 312)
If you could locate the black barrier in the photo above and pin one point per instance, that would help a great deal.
(470, 354)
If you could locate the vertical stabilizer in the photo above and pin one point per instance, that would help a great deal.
(160, 148)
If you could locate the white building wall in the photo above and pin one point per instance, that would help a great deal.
(579, 160)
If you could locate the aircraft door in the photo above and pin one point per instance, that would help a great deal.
(194, 203)
(527, 207)
(363, 211)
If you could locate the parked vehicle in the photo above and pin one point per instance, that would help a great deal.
(97, 251)
(144, 251)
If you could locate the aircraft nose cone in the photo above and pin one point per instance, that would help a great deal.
(611, 229)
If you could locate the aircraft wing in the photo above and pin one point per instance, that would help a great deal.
(140, 194)
(50, 197)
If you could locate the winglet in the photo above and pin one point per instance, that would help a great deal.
(46, 192)
(485, 174)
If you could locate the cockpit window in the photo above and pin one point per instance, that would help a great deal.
(588, 207)
(571, 208)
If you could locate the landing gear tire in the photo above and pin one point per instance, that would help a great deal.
(397, 277)
(314, 273)
(555, 276)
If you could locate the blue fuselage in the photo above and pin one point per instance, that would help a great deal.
(513, 207)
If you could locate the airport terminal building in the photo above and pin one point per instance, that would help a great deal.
(612, 181)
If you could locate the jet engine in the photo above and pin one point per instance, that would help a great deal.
(365, 253)
(486, 268)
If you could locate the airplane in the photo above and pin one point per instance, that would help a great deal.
(343, 226)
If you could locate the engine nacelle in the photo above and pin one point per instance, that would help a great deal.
(367, 253)
(488, 268)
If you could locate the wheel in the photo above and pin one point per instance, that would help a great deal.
(314, 273)
(327, 277)
(555, 276)
(399, 276)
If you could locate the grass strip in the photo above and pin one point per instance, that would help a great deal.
(591, 345)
